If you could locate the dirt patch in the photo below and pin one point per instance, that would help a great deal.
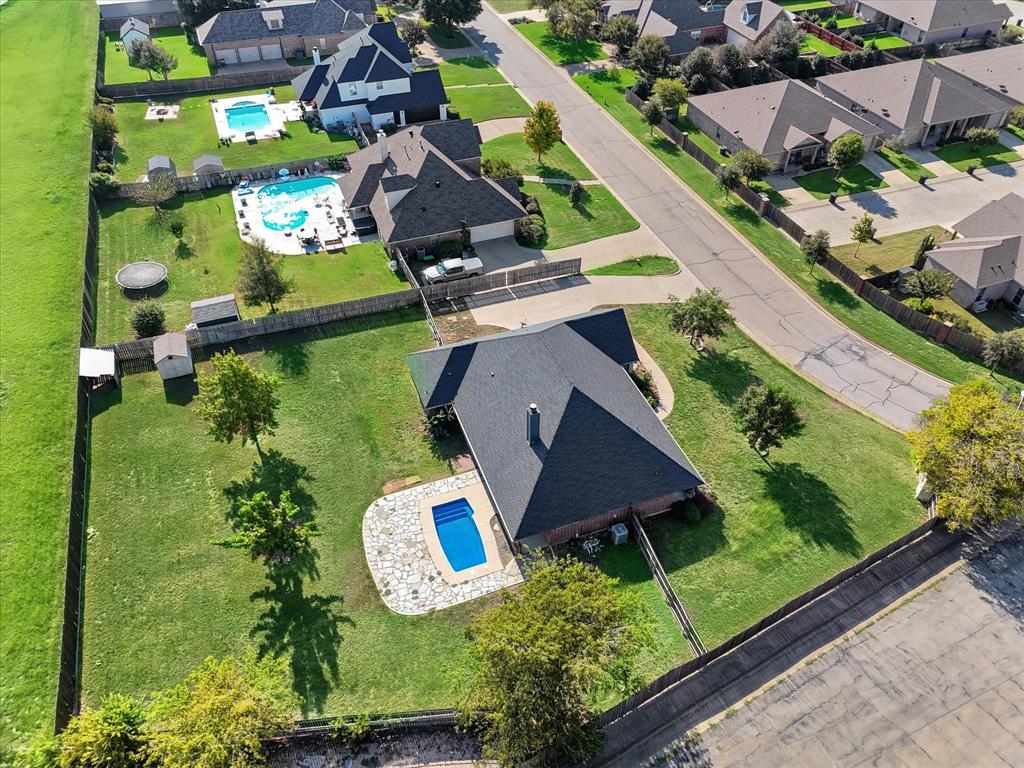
(455, 322)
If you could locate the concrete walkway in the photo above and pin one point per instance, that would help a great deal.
(911, 206)
(1012, 141)
(789, 189)
(506, 253)
(932, 162)
(771, 308)
(894, 177)
(666, 395)
(492, 129)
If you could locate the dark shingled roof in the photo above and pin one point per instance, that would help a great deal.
(601, 445)
(387, 35)
(217, 309)
(321, 17)
(671, 20)
(425, 90)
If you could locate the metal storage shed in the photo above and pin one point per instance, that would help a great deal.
(214, 311)
(172, 356)
(205, 165)
(160, 164)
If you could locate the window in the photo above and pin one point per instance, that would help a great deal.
(352, 90)
(920, 36)
(379, 86)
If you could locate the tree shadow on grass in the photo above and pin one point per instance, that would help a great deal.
(275, 474)
(679, 544)
(305, 626)
(291, 359)
(836, 293)
(810, 507)
(727, 375)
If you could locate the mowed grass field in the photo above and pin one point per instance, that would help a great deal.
(781, 527)
(193, 133)
(206, 263)
(44, 156)
(559, 162)
(599, 214)
(192, 62)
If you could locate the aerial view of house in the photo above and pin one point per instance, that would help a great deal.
(450, 383)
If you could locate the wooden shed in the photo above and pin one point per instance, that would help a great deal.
(172, 356)
(215, 310)
(160, 165)
(206, 165)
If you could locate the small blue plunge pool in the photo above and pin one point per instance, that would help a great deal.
(459, 537)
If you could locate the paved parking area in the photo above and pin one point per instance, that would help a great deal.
(937, 682)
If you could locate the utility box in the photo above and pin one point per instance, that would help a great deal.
(620, 533)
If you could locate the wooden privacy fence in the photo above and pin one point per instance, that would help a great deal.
(195, 85)
(155, 21)
(232, 176)
(674, 676)
(828, 37)
(506, 279)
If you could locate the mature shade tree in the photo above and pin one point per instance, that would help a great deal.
(237, 400)
(670, 93)
(141, 53)
(622, 32)
(154, 192)
(653, 113)
(929, 284)
(108, 737)
(104, 125)
(699, 61)
(260, 276)
(450, 13)
(816, 247)
(729, 178)
(222, 713)
(846, 152)
(163, 62)
(729, 62)
(572, 19)
(704, 315)
(543, 128)
(650, 53)
(780, 46)
(863, 231)
(766, 416)
(753, 165)
(413, 33)
(970, 444)
(198, 11)
(1004, 350)
(148, 319)
(276, 532)
(541, 656)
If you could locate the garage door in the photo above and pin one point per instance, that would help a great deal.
(227, 56)
(272, 51)
(249, 54)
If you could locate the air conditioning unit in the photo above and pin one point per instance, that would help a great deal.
(979, 306)
(620, 533)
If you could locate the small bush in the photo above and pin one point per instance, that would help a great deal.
(644, 381)
(1017, 116)
(519, 20)
(642, 87)
(176, 225)
(336, 162)
(352, 732)
(981, 136)
(499, 168)
(102, 185)
(698, 84)
(441, 424)
(532, 205)
(148, 319)
(453, 112)
(105, 167)
(389, 129)
(575, 194)
(449, 249)
(531, 231)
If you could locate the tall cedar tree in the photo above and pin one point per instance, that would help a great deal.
(543, 128)
(260, 279)
(237, 400)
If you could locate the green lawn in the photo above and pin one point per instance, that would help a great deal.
(646, 265)
(780, 528)
(488, 102)
(851, 181)
(208, 264)
(192, 61)
(1016, 130)
(813, 45)
(559, 162)
(888, 253)
(473, 70)
(44, 156)
(695, 134)
(908, 165)
(774, 196)
(803, 5)
(559, 49)
(962, 154)
(598, 215)
(885, 41)
(509, 6)
(447, 37)
(845, 21)
(607, 89)
(194, 133)
(994, 320)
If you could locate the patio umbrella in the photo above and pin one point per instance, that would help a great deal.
(283, 172)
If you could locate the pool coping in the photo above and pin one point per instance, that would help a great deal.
(482, 510)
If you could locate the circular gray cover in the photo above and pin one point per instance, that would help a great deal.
(141, 274)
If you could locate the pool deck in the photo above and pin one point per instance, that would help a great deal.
(279, 114)
(407, 561)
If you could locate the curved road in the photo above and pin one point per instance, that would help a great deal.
(773, 310)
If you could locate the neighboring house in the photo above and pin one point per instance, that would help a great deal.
(934, 21)
(924, 101)
(789, 122)
(1000, 70)
(134, 31)
(683, 24)
(282, 31)
(371, 80)
(423, 186)
(987, 256)
(122, 9)
(564, 441)
(750, 20)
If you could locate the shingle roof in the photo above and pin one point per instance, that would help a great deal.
(321, 17)
(941, 14)
(216, 308)
(159, 162)
(387, 36)
(1004, 216)
(425, 90)
(671, 20)
(214, 161)
(170, 345)
(991, 249)
(134, 24)
(780, 115)
(999, 69)
(759, 15)
(601, 446)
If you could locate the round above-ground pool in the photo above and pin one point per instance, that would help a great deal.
(141, 275)
(284, 205)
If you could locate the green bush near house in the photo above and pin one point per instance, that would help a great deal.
(559, 162)
(192, 61)
(963, 153)
(598, 215)
(559, 49)
(851, 181)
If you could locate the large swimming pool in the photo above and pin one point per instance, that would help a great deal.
(244, 116)
(285, 205)
(459, 537)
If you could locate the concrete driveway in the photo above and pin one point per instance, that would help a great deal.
(773, 310)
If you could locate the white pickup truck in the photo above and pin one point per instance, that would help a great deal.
(453, 269)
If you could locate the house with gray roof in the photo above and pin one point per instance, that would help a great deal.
(564, 441)
(1000, 70)
(282, 31)
(934, 21)
(987, 256)
(926, 102)
(682, 24)
(750, 20)
(423, 186)
(786, 121)
(371, 80)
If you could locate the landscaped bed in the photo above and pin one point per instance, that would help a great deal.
(206, 263)
(963, 153)
(905, 163)
(192, 61)
(487, 102)
(851, 181)
(888, 253)
(559, 49)
(194, 133)
(598, 214)
(779, 528)
(559, 162)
